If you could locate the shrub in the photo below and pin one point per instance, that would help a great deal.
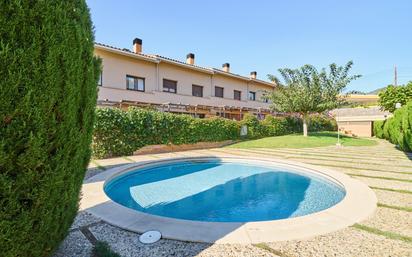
(322, 123)
(393, 95)
(119, 132)
(397, 129)
(255, 129)
(378, 128)
(395, 126)
(277, 126)
(48, 96)
(102, 249)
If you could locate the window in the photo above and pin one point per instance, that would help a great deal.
(169, 86)
(134, 83)
(100, 82)
(197, 91)
(237, 95)
(252, 96)
(219, 92)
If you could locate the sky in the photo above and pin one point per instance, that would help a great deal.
(265, 35)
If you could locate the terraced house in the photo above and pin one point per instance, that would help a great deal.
(132, 78)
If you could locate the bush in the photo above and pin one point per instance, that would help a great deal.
(393, 95)
(255, 129)
(102, 249)
(118, 132)
(48, 95)
(378, 128)
(397, 129)
(277, 126)
(322, 123)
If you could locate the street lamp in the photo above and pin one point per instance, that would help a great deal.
(398, 105)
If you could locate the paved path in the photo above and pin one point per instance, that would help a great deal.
(387, 233)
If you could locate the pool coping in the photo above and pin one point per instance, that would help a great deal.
(358, 204)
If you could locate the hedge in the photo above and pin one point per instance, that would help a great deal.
(397, 129)
(48, 81)
(118, 132)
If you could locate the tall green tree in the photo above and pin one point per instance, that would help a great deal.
(306, 90)
(393, 95)
(48, 83)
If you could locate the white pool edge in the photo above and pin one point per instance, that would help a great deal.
(358, 203)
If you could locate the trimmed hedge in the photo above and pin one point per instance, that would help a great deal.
(48, 82)
(118, 132)
(397, 129)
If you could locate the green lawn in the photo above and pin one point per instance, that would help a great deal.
(315, 139)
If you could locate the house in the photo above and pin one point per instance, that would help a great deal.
(133, 78)
(363, 99)
(359, 121)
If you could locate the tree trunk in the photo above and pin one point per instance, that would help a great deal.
(305, 126)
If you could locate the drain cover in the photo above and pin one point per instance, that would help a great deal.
(150, 237)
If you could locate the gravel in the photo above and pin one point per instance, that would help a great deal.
(374, 182)
(391, 220)
(393, 198)
(127, 244)
(83, 219)
(75, 245)
(348, 242)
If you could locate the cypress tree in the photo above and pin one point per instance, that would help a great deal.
(48, 81)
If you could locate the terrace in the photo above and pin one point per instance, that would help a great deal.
(386, 170)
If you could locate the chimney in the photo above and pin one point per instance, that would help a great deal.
(253, 75)
(190, 58)
(137, 45)
(226, 67)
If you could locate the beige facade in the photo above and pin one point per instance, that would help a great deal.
(357, 128)
(359, 121)
(363, 99)
(154, 69)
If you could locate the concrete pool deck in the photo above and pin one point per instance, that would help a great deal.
(358, 203)
(387, 232)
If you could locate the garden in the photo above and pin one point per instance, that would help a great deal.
(50, 131)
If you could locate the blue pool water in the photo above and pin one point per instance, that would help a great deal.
(223, 191)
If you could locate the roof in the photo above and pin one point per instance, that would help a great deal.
(158, 58)
(360, 114)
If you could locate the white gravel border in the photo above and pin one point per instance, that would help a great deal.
(358, 203)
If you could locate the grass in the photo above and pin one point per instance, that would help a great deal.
(386, 234)
(380, 177)
(102, 249)
(399, 208)
(402, 191)
(315, 139)
(128, 159)
(265, 247)
(98, 165)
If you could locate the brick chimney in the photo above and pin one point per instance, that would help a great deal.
(137, 45)
(253, 75)
(226, 67)
(190, 58)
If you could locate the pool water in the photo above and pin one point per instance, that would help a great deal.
(223, 191)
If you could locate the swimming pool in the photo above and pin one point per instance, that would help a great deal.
(213, 190)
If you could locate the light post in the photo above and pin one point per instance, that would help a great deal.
(337, 122)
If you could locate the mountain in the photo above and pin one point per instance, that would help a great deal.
(376, 91)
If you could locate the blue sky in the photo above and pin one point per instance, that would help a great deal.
(265, 35)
